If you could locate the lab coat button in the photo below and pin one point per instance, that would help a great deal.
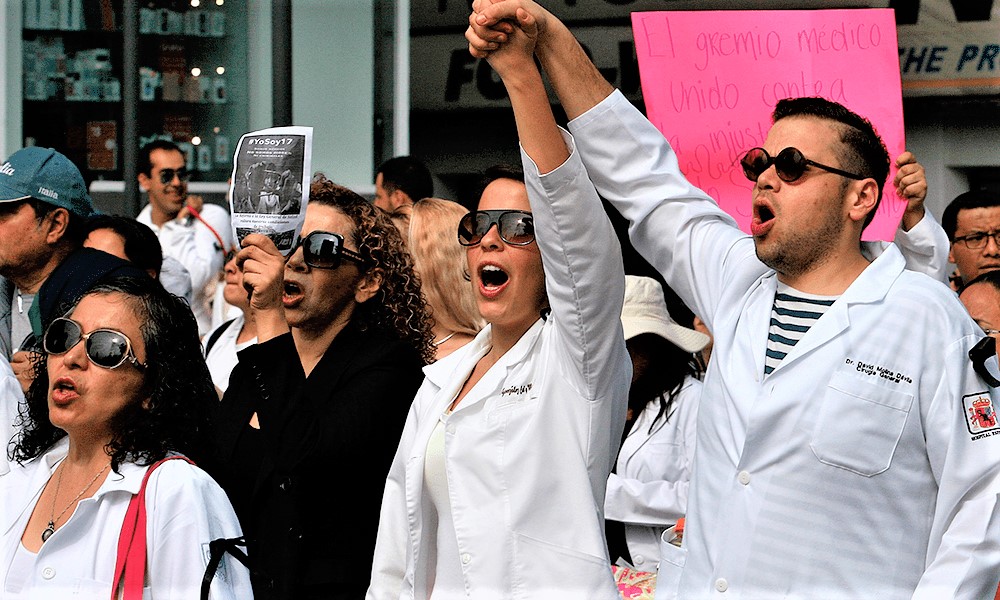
(450, 428)
(466, 558)
(638, 560)
(721, 584)
(48, 573)
(744, 477)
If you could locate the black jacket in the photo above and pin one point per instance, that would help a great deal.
(320, 458)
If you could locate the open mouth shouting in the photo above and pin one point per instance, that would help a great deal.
(763, 219)
(292, 295)
(492, 280)
(64, 391)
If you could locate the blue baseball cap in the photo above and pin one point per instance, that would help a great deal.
(46, 175)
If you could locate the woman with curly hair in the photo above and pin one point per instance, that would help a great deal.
(122, 385)
(322, 398)
(429, 227)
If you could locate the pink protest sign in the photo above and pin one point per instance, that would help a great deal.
(710, 80)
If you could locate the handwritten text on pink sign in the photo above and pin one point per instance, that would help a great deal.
(710, 80)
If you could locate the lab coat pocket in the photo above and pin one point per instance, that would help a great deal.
(668, 576)
(859, 425)
(658, 460)
(546, 570)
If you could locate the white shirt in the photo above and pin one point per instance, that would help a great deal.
(197, 248)
(649, 490)
(852, 471)
(185, 510)
(529, 449)
(221, 357)
(11, 401)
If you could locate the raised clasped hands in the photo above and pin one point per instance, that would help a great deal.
(505, 32)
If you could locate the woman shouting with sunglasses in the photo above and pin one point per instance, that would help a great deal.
(122, 386)
(497, 488)
(313, 412)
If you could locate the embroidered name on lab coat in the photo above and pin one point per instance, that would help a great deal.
(874, 370)
(515, 389)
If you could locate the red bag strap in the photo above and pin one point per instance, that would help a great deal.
(130, 567)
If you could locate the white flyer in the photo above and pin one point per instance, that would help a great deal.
(269, 189)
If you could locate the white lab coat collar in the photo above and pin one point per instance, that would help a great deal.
(871, 286)
(463, 361)
(27, 482)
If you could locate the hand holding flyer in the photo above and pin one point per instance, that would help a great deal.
(269, 190)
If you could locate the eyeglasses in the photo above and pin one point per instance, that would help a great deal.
(167, 175)
(516, 227)
(977, 239)
(105, 348)
(323, 250)
(790, 164)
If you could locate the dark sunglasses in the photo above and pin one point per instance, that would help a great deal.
(167, 175)
(323, 250)
(790, 164)
(105, 348)
(516, 227)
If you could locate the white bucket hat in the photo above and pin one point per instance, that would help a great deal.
(645, 311)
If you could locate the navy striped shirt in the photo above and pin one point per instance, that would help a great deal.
(792, 314)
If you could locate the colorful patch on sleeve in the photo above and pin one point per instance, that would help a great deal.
(980, 415)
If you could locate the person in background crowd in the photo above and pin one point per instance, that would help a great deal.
(840, 458)
(981, 297)
(191, 231)
(130, 240)
(43, 205)
(972, 222)
(647, 492)
(123, 386)
(224, 342)
(428, 227)
(400, 181)
(497, 487)
(342, 337)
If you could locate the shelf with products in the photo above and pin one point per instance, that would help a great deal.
(192, 84)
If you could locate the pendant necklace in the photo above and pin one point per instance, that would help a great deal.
(51, 527)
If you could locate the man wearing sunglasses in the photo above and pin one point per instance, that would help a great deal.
(191, 231)
(841, 446)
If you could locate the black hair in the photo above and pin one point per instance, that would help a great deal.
(662, 381)
(179, 395)
(863, 153)
(407, 174)
(145, 165)
(75, 226)
(963, 201)
(990, 277)
(142, 247)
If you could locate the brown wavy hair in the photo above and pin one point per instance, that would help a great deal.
(398, 308)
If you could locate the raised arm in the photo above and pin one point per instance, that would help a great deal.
(536, 125)
(577, 82)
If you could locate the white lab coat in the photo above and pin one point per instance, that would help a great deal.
(197, 248)
(529, 449)
(11, 403)
(648, 491)
(185, 510)
(852, 471)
